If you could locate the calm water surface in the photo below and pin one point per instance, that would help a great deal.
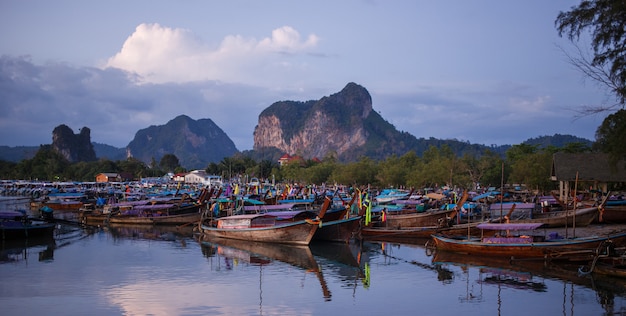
(150, 271)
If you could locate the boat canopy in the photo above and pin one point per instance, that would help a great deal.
(508, 205)
(484, 195)
(244, 216)
(253, 201)
(286, 215)
(153, 207)
(296, 201)
(246, 221)
(509, 226)
(408, 202)
(265, 207)
(435, 196)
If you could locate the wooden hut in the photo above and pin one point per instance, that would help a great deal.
(594, 172)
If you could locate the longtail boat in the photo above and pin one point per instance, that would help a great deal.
(437, 222)
(421, 219)
(523, 243)
(149, 212)
(286, 227)
(567, 218)
(418, 234)
(18, 225)
(337, 226)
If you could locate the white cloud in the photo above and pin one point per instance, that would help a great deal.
(287, 39)
(161, 54)
(536, 105)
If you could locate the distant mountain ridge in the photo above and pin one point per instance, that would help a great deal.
(346, 124)
(343, 123)
(557, 140)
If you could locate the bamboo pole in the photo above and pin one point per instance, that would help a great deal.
(575, 205)
(501, 191)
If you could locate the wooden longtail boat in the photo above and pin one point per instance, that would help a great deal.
(608, 260)
(176, 219)
(609, 266)
(417, 234)
(150, 212)
(580, 217)
(17, 225)
(523, 246)
(157, 214)
(614, 212)
(64, 201)
(421, 219)
(428, 218)
(337, 226)
(341, 230)
(439, 223)
(277, 227)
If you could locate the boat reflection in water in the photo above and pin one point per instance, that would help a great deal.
(529, 275)
(25, 249)
(150, 232)
(261, 254)
(43, 247)
(341, 260)
(348, 261)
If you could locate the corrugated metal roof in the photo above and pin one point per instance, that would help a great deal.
(590, 167)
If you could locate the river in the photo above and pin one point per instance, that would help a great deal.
(167, 271)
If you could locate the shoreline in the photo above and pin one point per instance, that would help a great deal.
(594, 229)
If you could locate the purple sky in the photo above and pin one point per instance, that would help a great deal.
(487, 72)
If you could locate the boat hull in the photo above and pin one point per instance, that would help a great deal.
(408, 234)
(613, 214)
(18, 230)
(156, 220)
(581, 217)
(341, 230)
(296, 233)
(545, 249)
(416, 219)
(180, 216)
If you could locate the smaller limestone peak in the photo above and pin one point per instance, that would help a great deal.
(73, 147)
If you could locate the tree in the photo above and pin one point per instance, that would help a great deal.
(479, 169)
(441, 166)
(391, 172)
(360, 173)
(47, 164)
(533, 170)
(606, 21)
(265, 168)
(611, 136)
(133, 166)
(169, 162)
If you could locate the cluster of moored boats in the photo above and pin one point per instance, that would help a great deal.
(449, 221)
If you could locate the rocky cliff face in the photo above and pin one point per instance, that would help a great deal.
(314, 128)
(73, 147)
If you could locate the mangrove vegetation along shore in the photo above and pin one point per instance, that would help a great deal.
(524, 164)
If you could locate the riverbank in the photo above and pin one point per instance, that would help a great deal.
(599, 229)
